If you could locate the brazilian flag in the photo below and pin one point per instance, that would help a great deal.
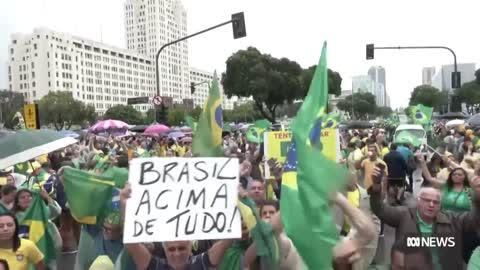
(421, 115)
(191, 122)
(33, 226)
(89, 195)
(207, 141)
(310, 178)
(331, 121)
(255, 133)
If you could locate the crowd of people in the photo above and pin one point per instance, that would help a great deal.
(415, 191)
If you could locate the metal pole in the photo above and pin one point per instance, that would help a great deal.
(428, 47)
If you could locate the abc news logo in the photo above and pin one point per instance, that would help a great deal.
(430, 242)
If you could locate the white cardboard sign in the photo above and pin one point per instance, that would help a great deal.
(182, 199)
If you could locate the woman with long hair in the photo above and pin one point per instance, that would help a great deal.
(17, 252)
(457, 192)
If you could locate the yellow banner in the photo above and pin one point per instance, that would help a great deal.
(277, 142)
(30, 112)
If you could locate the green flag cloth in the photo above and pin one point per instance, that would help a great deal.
(406, 137)
(332, 120)
(34, 226)
(261, 232)
(207, 141)
(89, 195)
(3, 209)
(118, 175)
(422, 115)
(255, 133)
(233, 255)
(191, 122)
(22, 168)
(310, 178)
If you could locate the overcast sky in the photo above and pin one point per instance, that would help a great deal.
(292, 29)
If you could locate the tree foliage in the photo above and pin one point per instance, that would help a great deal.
(384, 112)
(428, 96)
(242, 113)
(363, 105)
(176, 115)
(11, 103)
(334, 81)
(469, 93)
(62, 111)
(125, 113)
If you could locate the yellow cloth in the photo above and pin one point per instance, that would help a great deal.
(352, 159)
(354, 200)
(102, 262)
(384, 152)
(42, 159)
(26, 253)
(35, 165)
(368, 167)
(181, 150)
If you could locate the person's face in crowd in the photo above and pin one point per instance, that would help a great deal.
(9, 198)
(10, 179)
(379, 137)
(267, 212)
(112, 232)
(177, 253)
(24, 199)
(458, 176)
(428, 204)
(372, 152)
(257, 191)
(7, 228)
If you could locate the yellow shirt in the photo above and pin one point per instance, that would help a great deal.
(181, 150)
(368, 167)
(354, 200)
(25, 254)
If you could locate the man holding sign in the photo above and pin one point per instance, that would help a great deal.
(176, 201)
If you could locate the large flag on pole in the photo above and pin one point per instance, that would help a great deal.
(310, 178)
(207, 141)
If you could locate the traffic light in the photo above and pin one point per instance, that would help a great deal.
(456, 80)
(238, 25)
(370, 51)
(192, 88)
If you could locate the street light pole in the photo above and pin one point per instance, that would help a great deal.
(455, 78)
(238, 22)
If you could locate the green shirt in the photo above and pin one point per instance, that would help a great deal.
(456, 201)
(474, 262)
(427, 230)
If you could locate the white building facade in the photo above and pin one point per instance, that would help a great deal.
(427, 75)
(203, 80)
(443, 78)
(95, 73)
(149, 24)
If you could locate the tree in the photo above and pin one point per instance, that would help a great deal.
(363, 105)
(176, 115)
(196, 112)
(271, 82)
(469, 93)
(428, 96)
(242, 113)
(125, 113)
(149, 117)
(383, 112)
(334, 81)
(62, 110)
(10, 104)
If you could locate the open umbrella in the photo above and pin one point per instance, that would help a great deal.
(108, 126)
(176, 134)
(25, 145)
(186, 139)
(69, 133)
(156, 129)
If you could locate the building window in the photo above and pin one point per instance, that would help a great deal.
(34, 93)
(33, 75)
(35, 46)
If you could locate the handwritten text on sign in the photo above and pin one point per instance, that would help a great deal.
(182, 199)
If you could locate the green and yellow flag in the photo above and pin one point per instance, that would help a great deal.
(89, 195)
(255, 132)
(310, 178)
(191, 122)
(332, 120)
(34, 226)
(207, 141)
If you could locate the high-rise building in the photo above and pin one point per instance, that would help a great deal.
(443, 78)
(377, 74)
(427, 75)
(150, 24)
(95, 73)
(203, 80)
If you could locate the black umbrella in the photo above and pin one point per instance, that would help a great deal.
(453, 115)
(474, 121)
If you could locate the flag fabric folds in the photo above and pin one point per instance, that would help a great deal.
(191, 122)
(310, 179)
(207, 141)
(255, 132)
(34, 226)
(332, 120)
(421, 115)
(80, 185)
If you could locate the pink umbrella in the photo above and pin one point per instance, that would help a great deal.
(156, 129)
(108, 125)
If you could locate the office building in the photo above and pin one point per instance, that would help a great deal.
(427, 75)
(443, 78)
(203, 80)
(150, 24)
(95, 73)
(363, 83)
(377, 74)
